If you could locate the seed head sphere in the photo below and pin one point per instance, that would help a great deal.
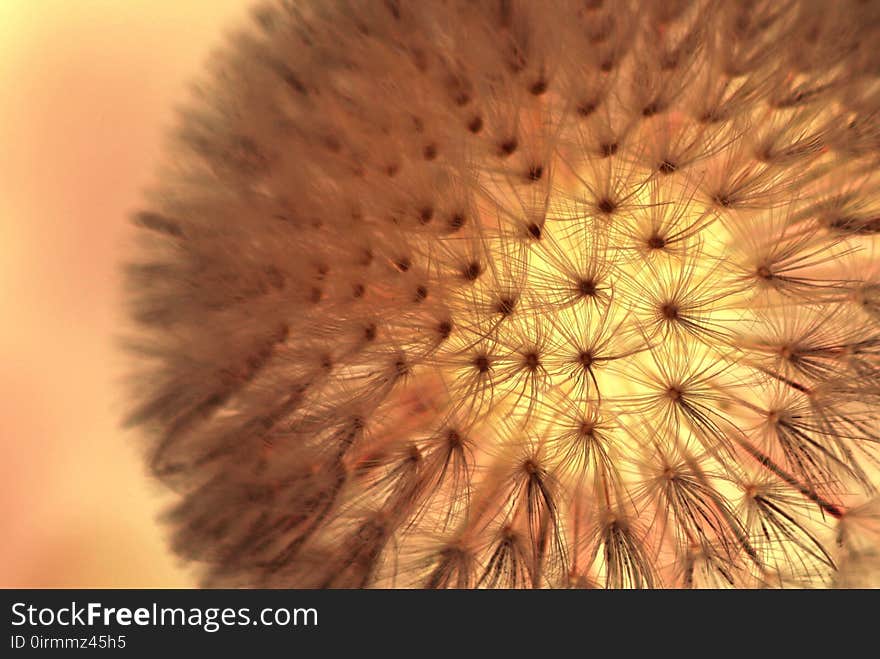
(501, 294)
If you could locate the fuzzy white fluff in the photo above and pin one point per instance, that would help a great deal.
(501, 293)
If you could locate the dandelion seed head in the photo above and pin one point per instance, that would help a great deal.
(515, 294)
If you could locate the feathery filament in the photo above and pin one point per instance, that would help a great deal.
(518, 294)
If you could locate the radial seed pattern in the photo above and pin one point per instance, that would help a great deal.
(522, 294)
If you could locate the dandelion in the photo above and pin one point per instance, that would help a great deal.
(505, 294)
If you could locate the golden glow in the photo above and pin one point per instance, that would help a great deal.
(491, 294)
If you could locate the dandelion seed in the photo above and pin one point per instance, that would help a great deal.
(521, 295)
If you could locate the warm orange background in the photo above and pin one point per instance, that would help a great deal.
(86, 89)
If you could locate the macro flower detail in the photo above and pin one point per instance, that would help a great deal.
(501, 294)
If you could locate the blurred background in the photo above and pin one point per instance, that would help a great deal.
(87, 88)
